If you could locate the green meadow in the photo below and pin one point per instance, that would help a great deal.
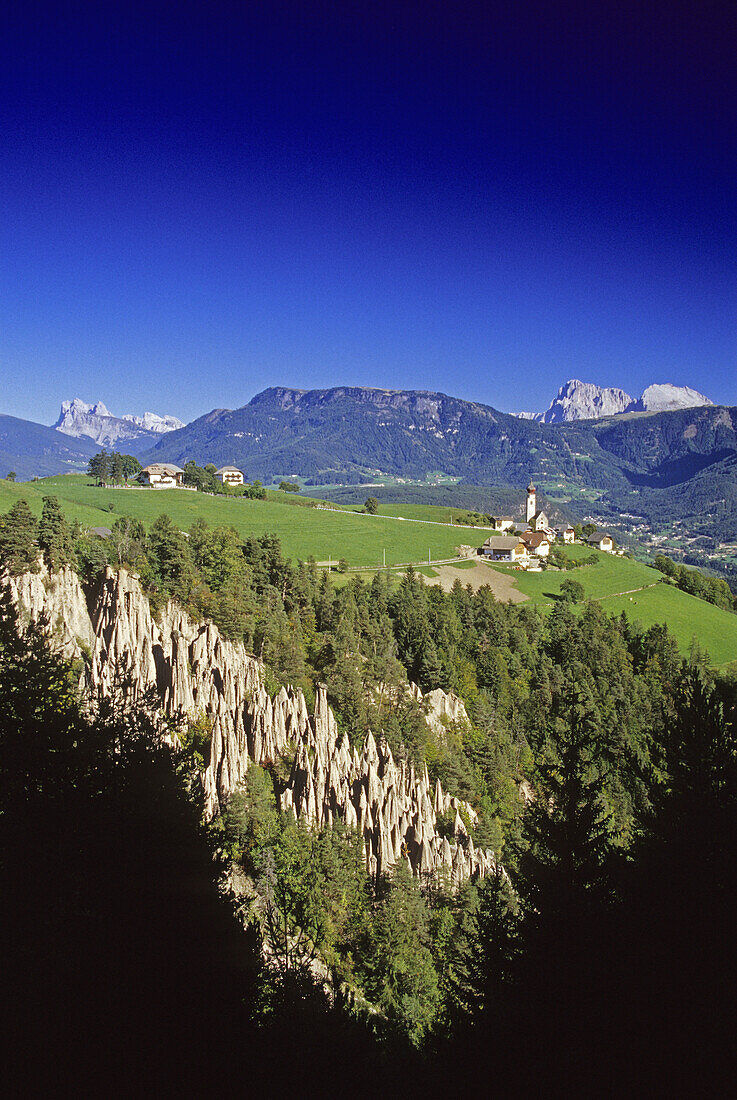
(434, 513)
(304, 531)
(620, 584)
(610, 574)
(687, 617)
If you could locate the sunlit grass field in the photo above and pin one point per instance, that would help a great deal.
(363, 541)
(644, 599)
(610, 574)
(687, 617)
(304, 531)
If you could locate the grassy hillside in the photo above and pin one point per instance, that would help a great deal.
(450, 499)
(609, 575)
(88, 514)
(619, 583)
(688, 618)
(304, 531)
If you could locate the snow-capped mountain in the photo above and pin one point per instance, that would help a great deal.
(152, 422)
(577, 400)
(96, 422)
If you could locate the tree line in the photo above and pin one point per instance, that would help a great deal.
(712, 589)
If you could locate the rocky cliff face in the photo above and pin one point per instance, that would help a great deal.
(196, 671)
(96, 422)
(665, 398)
(584, 401)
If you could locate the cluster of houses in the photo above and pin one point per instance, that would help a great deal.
(165, 475)
(531, 545)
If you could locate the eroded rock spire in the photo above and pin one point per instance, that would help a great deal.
(197, 672)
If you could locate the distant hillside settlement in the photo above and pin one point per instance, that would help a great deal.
(527, 548)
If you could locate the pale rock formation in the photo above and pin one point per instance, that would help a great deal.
(78, 418)
(152, 422)
(443, 708)
(665, 397)
(577, 400)
(584, 401)
(60, 601)
(198, 673)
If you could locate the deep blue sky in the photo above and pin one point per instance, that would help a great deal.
(199, 201)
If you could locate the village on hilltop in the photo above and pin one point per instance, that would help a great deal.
(527, 548)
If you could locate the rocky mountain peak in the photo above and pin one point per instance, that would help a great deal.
(578, 400)
(665, 397)
(96, 422)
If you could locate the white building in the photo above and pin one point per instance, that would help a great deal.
(538, 521)
(161, 475)
(230, 475)
(601, 541)
(502, 523)
(536, 542)
(505, 548)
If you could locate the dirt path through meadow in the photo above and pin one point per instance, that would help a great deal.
(501, 584)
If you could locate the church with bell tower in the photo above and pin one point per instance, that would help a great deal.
(536, 520)
(531, 502)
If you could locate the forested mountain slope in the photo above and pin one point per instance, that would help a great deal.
(353, 434)
(326, 434)
(33, 450)
(664, 449)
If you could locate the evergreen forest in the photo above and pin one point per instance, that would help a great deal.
(601, 764)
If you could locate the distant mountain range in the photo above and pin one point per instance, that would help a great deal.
(577, 400)
(35, 450)
(96, 422)
(678, 463)
(356, 434)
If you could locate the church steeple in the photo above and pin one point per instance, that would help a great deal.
(531, 501)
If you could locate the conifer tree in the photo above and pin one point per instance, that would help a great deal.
(18, 533)
(566, 824)
(170, 557)
(403, 980)
(54, 538)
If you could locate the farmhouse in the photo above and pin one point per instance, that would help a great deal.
(230, 475)
(565, 534)
(601, 541)
(502, 523)
(161, 475)
(505, 548)
(536, 543)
